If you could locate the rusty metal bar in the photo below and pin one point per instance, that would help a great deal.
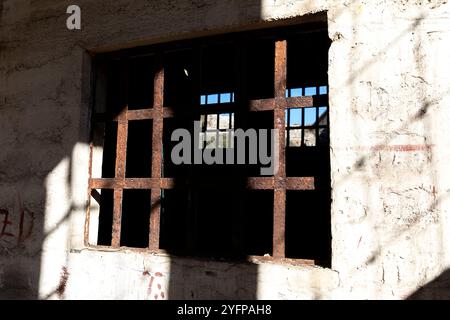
(279, 201)
(259, 259)
(292, 102)
(255, 183)
(296, 102)
(88, 209)
(254, 105)
(280, 68)
(140, 114)
(157, 137)
(117, 218)
(261, 105)
(132, 183)
(121, 156)
(260, 183)
(301, 183)
(122, 133)
(145, 114)
(279, 228)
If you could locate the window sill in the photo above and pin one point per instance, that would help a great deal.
(246, 259)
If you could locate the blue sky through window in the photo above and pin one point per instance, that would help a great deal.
(310, 91)
(227, 97)
(213, 98)
(307, 91)
(295, 118)
(310, 116)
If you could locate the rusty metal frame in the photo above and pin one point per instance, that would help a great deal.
(279, 183)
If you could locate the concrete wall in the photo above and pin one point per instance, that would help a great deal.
(389, 96)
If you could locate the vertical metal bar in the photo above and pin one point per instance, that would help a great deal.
(157, 137)
(122, 133)
(279, 207)
(121, 155)
(280, 68)
(279, 227)
(88, 203)
(117, 218)
(288, 127)
(317, 124)
(302, 142)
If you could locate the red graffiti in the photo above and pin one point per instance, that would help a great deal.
(22, 213)
(5, 223)
(24, 225)
(390, 148)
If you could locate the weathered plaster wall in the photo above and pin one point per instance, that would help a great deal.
(389, 95)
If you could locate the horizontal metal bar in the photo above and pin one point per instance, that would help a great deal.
(266, 259)
(132, 183)
(140, 114)
(254, 183)
(261, 105)
(148, 114)
(260, 183)
(300, 183)
(297, 102)
(288, 103)
(253, 105)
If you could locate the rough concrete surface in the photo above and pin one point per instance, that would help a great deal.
(389, 70)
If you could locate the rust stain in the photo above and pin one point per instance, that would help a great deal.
(158, 274)
(63, 282)
(150, 285)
